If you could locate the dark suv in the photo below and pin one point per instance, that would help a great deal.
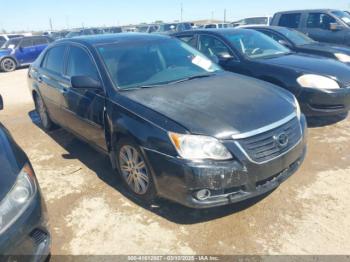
(323, 25)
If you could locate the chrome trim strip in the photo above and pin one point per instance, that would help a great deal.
(265, 128)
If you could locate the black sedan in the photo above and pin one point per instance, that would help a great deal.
(23, 220)
(301, 43)
(320, 84)
(173, 123)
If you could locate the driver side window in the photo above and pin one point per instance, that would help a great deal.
(320, 20)
(211, 46)
(80, 63)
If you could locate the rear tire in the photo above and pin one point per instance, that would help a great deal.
(135, 173)
(40, 108)
(8, 64)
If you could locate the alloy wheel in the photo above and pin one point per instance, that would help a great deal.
(134, 170)
(8, 65)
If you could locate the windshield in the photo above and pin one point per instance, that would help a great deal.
(73, 34)
(296, 37)
(167, 27)
(12, 43)
(254, 44)
(152, 63)
(344, 16)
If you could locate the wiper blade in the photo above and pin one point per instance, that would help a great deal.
(191, 78)
(169, 83)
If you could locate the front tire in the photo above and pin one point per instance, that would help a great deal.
(45, 119)
(135, 172)
(8, 64)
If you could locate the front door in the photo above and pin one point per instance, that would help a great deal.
(25, 53)
(318, 27)
(85, 107)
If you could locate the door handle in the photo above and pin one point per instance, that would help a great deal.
(40, 79)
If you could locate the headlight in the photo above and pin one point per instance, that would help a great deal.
(343, 57)
(18, 199)
(196, 147)
(317, 81)
(297, 108)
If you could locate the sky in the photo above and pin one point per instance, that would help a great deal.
(36, 14)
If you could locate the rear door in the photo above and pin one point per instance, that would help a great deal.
(318, 27)
(84, 107)
(51, 82)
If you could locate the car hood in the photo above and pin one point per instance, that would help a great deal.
(218, 106)
(9, 164)
(5, 51)
(329, 48)
(312, 65)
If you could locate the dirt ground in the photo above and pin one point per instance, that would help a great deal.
(90, 213)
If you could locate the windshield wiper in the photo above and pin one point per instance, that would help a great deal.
(171, 82)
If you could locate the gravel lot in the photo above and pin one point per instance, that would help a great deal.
(91, 214)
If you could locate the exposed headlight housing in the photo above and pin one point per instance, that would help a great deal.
(317, 81)
(196, 147)
(297, 108)
(342, 57)
(18, 199)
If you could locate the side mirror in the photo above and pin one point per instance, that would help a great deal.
(284, 43)
(1, 103)
(334, 27)
(85, 82)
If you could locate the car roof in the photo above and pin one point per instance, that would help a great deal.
(267, 27)
(112, 38)
(306, 10)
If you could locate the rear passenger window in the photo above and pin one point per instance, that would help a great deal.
(80, 63)
(290, 20)
(320, 20)
(54, 59)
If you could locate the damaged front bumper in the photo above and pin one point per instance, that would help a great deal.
(228, 181)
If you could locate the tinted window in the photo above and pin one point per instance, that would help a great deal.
(272, 35)
(189, 39)
(27, 42)
(40, 41)
(290, 20)
(320, 20)
(80, 63)
(2, 38)
(54, 59)
(211, 46)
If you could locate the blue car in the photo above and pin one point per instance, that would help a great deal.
(21, 51)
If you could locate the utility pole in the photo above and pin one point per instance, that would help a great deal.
(50, 22)
(182, 11)
(212, 16)
(225, 15)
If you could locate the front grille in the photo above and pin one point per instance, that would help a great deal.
(265, 146)
(38, 236)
